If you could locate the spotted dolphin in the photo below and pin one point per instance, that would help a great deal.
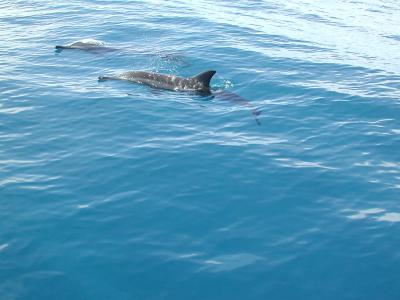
(89, 45)
(199, 83)
(99, 47)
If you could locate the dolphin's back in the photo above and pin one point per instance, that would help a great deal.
(87, 45)
(154, 79)
(198, 83)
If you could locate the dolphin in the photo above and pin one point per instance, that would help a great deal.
(99, 47)
(199, 83)
(89, 45)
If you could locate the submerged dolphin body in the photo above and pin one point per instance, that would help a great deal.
(199, 83)
(89, 45)
(232, 97)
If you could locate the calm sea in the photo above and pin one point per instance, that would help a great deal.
(112, 190)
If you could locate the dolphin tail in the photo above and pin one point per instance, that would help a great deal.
(205, 77)
(256, 113)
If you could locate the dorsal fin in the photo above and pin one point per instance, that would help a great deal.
(205, 77)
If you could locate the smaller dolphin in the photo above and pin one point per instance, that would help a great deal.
(98, 47)
(90, 45)
(199, 83)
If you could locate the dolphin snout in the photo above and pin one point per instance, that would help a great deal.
(61, 47)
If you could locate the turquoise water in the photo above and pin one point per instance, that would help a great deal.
(111, 190)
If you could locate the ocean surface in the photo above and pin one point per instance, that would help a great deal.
(113, 190)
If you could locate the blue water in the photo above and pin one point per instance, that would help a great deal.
(111, 190)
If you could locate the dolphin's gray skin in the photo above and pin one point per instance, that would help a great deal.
(199, 83)
(89, 45)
